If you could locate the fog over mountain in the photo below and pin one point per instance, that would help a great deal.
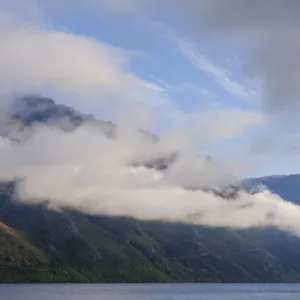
(139, 174)
(126, 173)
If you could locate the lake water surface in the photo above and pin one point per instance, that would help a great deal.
(149, 291)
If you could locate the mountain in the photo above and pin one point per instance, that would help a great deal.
(42, 245)
(31, 110)
(286, 186)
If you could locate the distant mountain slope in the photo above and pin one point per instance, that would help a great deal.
(286, 186)
(35, 109)
(31, 110)
(39, 245)
(45, 246)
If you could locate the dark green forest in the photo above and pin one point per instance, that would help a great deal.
(40, 245)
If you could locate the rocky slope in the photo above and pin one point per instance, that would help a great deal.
(40, 245)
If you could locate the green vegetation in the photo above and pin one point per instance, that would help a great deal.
(39, 245)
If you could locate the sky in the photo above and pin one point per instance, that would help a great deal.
(209, 77)
(225, 74)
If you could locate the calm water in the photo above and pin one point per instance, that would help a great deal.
(150, 292)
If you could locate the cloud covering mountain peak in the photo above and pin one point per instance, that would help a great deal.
(132, 175)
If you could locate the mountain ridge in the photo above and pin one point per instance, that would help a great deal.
(42, 245)
(286, 186)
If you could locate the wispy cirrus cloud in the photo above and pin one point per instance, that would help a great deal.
(220, 75)
(94, 174)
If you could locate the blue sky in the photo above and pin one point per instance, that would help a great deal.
(147, 56)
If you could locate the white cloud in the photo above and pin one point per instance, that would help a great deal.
(91, 172)
(217, 124)
(85, 171)
(265, 33)
(219, 75)
(34, 57)
(230, 124)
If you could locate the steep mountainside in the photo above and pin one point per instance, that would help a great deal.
(40, 245)
(286, 186)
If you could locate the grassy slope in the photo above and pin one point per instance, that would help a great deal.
(38, 245)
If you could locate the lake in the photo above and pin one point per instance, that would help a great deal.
(149, 291)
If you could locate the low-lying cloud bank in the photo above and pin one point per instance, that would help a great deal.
(86, 171)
